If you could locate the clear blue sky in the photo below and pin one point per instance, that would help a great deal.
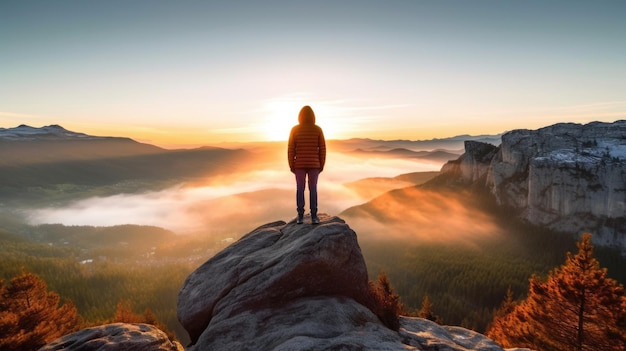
(201, 72)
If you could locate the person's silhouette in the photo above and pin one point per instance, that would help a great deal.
(306, 153)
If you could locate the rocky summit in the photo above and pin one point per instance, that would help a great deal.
(286, 286)
(567, 177)
(283, 286)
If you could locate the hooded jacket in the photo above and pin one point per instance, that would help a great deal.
(307, 146)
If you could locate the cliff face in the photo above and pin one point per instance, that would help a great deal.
(568, 177)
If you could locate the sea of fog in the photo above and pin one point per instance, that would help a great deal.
(232, 205)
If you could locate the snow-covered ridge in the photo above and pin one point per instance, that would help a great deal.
(25, 132)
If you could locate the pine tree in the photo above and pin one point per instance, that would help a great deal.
(506, 307)
(578, 307)
(426, 311)
(386, 303)
(124, 313)
(30, 315)
(150, 318)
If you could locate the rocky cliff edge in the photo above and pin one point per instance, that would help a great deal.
(567, 177)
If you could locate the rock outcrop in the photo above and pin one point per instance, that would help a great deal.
(283, 286)
(286, 286)
(568, 177)
(116, 336)
(427, 335)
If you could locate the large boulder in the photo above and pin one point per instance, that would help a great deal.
(310, 323)
(273, 265)
(115, 337)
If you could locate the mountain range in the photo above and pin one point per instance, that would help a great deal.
(34, 161)
(28, 145)
(568, 177)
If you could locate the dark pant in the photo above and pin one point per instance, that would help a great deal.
(301, 175)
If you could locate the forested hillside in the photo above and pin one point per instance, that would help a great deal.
(96, 268)
(70, 179)
(465, 277)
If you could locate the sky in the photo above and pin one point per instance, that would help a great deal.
(185, 73)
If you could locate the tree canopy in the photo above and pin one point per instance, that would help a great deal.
(30, 315)
(578, 307)
(426, 311)
(384, 302)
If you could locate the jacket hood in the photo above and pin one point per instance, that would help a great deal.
(306, 116)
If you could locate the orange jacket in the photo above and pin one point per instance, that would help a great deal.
(307, 146)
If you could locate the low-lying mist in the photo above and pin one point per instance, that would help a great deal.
(231, 204)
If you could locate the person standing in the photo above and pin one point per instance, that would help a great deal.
(306, 153)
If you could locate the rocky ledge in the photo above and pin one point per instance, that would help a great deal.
(286, 286)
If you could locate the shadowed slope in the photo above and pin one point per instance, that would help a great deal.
(417, 213)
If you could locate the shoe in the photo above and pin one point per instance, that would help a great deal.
(315, 220)
(300, 220)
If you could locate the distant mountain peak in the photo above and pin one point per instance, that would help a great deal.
(53, 131)
(54, 127)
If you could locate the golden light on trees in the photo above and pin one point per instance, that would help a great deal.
(578, 307)
(30, 315)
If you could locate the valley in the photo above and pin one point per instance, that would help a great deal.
(132, 226)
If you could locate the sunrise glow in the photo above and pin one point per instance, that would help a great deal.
(281, 116)
(191, 74)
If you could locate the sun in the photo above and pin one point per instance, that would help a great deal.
(282, 115)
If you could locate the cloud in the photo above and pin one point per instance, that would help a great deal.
(232, 204)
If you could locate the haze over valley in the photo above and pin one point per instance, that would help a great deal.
(96, 201)
(101, 204)
(113, 181)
